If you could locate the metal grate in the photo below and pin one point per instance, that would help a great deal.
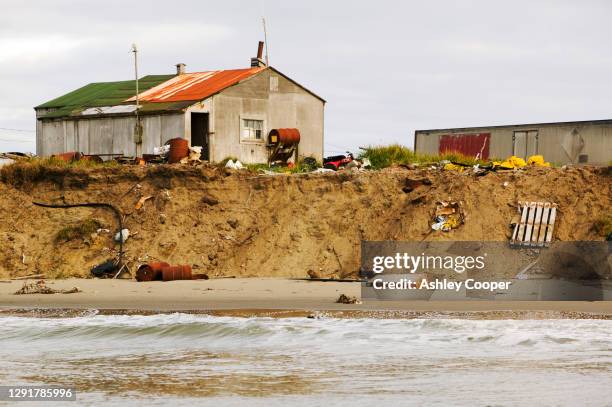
(536, 225)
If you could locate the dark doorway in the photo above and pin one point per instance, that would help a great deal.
(199, 133)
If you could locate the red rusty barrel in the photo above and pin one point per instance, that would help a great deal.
(151, 271)
(284, 136)
(171, 273)
(179, 149)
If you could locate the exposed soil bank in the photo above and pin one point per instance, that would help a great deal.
(239, 223)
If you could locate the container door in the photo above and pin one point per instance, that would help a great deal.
(525, 143)
(519, 140)
(532, 143)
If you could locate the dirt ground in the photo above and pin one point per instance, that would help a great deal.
(239, 223)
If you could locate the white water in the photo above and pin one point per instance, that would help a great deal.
(204, 360)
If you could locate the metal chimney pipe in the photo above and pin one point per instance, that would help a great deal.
(260, 48)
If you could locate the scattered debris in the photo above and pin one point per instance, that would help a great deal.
(122, 236)
(344, 299)
(195, 153)
(234, 165)
(39, 287)
(141, 201)
(448, 216)
(537, 160)
(336, 162)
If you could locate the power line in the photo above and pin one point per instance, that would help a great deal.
(21, 130)
(15, 141)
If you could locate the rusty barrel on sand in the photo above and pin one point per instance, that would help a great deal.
(171, 273)
(151, 271)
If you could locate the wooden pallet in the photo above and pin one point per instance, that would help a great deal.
(535, 229)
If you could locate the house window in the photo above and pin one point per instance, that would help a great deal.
(252, 129)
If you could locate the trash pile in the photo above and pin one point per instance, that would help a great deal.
(176, 150)
(39, 287)
(514, 162)
(348, 160)
(448, 215)
(510, 163)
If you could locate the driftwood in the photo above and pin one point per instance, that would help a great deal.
(39, 287)
(28, 276)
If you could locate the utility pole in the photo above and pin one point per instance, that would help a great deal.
(263, 20)
(137, 126)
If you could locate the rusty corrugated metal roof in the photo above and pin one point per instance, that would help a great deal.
(195, 86)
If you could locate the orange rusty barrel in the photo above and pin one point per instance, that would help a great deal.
(151, 271)
(68, 157)
(171, 273)
(179, 149)
(284, 136)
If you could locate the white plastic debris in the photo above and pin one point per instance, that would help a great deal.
(234, 165)
(195, 153)
(122, 236)
(163, 150)
(365, 163)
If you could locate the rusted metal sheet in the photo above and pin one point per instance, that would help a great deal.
(470, 144)
(196, 85)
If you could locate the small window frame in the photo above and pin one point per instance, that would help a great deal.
(243, 127)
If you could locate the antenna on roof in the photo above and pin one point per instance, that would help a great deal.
(138, 126)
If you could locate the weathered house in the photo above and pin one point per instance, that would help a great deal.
(227, 112)
(580, 142)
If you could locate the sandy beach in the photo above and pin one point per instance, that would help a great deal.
(271, 296)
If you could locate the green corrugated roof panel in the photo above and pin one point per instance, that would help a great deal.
(100, 94)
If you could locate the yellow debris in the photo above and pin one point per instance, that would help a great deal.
(537, 160)
(510, 163)
(452, 222)
(453, 167)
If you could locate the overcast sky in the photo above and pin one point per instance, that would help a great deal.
(385, 68)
